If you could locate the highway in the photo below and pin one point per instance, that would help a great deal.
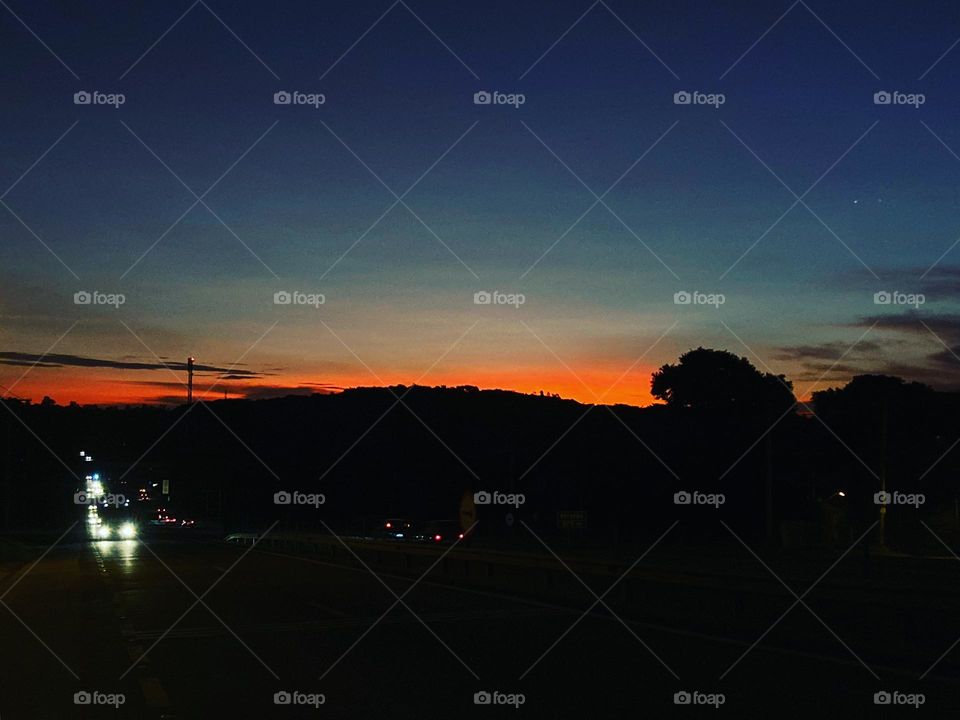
(203, 629)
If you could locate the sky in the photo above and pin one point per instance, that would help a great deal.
(781, 200)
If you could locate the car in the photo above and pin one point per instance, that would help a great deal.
(113, 526)
(421, 531)
(438, 531)
(434, 531)
(165, 519)
(395, 529)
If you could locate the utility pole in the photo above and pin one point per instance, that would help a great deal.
(882, 528)
(768, 491)
(189, 381)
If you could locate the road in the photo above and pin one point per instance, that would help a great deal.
(124, 617)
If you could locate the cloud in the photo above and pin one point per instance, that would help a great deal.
(263, 392)
(936, 335)
(941, 330)
(256, 392)
(824, 351)
(54, 360)
(941, 282)
(831, 362)
(247, 392)
(915, 322)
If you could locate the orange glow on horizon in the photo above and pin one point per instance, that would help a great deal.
(89, 386)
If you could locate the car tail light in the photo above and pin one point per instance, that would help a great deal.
(437, 538)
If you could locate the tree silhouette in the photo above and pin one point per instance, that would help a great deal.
(719, 381)
(893, 426)
(726, 396)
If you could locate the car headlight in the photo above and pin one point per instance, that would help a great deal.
(103, 532)
(128, 530)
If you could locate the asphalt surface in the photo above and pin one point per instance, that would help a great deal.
(123, 617)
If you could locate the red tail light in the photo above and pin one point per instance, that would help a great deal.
(437, 538)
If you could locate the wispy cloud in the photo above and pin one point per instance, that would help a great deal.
(917, 345)
(54, 360)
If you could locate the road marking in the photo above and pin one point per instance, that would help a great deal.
(150, 686)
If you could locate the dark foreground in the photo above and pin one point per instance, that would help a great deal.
(270, 623)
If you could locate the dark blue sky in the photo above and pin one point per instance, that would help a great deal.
(495, 213)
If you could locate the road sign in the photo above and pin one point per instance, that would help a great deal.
(572, 519)
(468, 511)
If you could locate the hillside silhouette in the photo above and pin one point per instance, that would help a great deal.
(413, 451)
